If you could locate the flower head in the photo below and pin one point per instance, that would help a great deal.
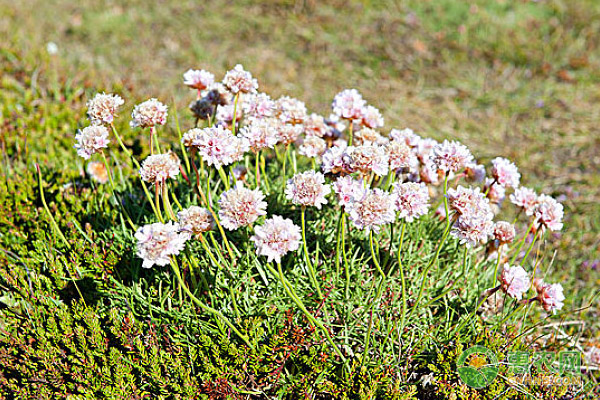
(367, 159)
(307, 189)
(505, 173)
(276, 237)
(195, 220)
(334, 160)
(290, 110)
(218, 147)
(202, 109)
(367, 136)
(376, 208)
(475, 172)
(401, 156)
(514, 281)
(312, 146)
(349, 189)
(240, 206)
(148, 114)
(348, 104)
(495, 192)
(97, 171)
(549, 213)
(157, 242)
(468, 201)
(504, 232)
(550, 296)
(225, 114)
(158, 168)
(526, 199)
(261, 133)
(405, 136)
(91, 140)
(473, 229)
(371, 117)
(412, 200)
(315, 125)
(451, 156)
(103, 107)
(239, 80)
(258, 105)
(198, 79)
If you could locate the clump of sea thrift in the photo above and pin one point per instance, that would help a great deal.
(195, 220)
(103, 108)
(412, 200)
(158, 168)
(375, 209)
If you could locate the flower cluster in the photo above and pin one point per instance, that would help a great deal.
(241, 206)
(158, 168)
(157, 242)
(276, 237)
(308, 189)
(90, 140)
(149, 114)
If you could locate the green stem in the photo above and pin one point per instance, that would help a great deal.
(402, 279)
(257, 170)
(235, 103)
(206, 308)
(522, 242)
(224, 177)
(309, 265)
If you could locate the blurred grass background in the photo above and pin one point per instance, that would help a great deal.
(519, 79)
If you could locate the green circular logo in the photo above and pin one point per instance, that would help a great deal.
(477, 367)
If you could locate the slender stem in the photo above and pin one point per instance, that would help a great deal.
(166, 202)
(522, 242)
(257, 170)
(224, 177)
(375, 256)
(497, 263)
(110, 178)
(235, 103)
(285, 157)
(309, 265)
(114, 190)
(56, 229)
(350, 128)
(292, 293)
(338, 232)
(206, 308)
(264, 173)
(183, 149)
(530, 246)
(346, 264)
(157, 201)
(402, 279)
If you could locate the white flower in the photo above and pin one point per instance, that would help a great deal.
(401, 156)
(505, 173)
(550, 296)
(218, 147)
(451, 156)
(412, 200)
(405, 136)
(367, 159)
(158, 168)
(195, 220)
(238, 80)
(371, 117)
(348, 104)
(148, 114)
(475, 172)
(526, 199)
(103, 107)
(276, 237)
(241, 206)
(91, 140)
(473, 229)
(349, 189)
(549, 213)
(312, 146)
(315, 125)
(261, 133)
(258, 105)
(157, 242)
(504, 232)
(370, 136)
(225, 114)
(198, 79)
(288, 133)
(376, 208)
(334, 161)
(514, 281)
(290, 110)
(307, 189)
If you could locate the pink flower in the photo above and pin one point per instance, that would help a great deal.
(218, 147)
(97, 171)
(288, 133)
(334, 160)
(157, 242)
(505, 172)
(412, 200)
(348, 104)
(495, 192)
(424, 150)
(371, 117)
(504, 232)
(195, 220)
(549, 213)
(290, 110)
(368, 136)
(405, 136)
(473, 229)
(550, 296)
(198, 79)
(467, 201)
(91, 140)
(158, 168)
(276, 237)
(239, 80)
(401, 156)
(261, 133)
(103, 107)
(312, 146)
(526, 199)
(367, 159)
(475, 172)
(258, 105)
(241, 206)
(514, 281)
(225, 114)
(315, 125)
(451, 156)
(349, 189)
(307, 189)
(148, 114)
(376, 208)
